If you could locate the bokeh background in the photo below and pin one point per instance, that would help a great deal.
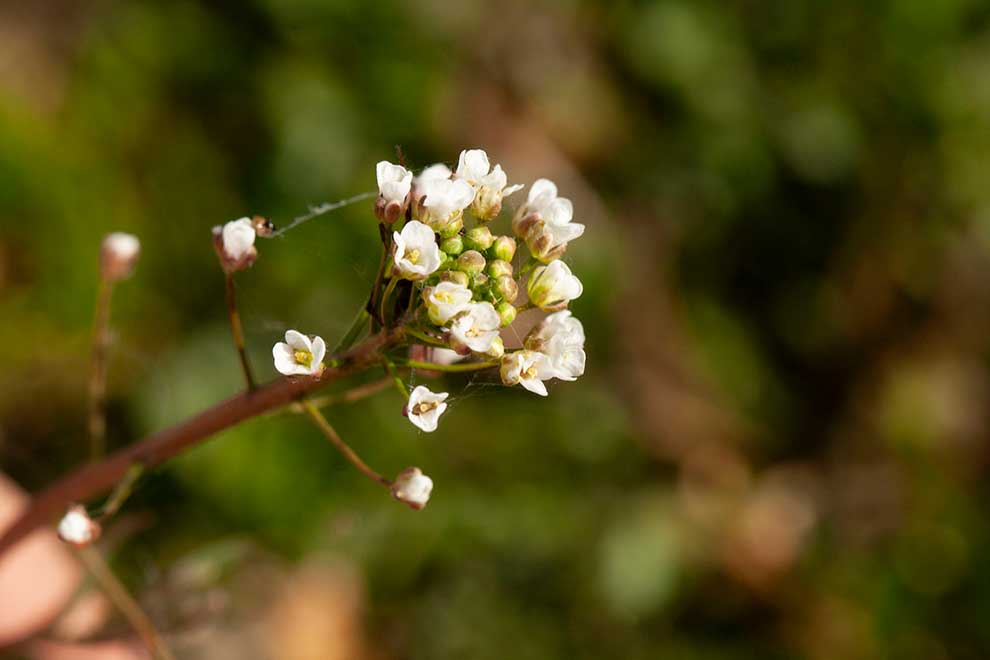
(779, 449)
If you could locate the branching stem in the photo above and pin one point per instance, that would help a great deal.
(345, 449)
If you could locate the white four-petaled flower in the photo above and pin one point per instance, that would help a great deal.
(442, 201)
(416, 251)
(425, 407)
(238, 238)
(447, 300)
(299, 355)
(526, 368)
(553, 285)
(394, 182)
(490, 183)
(476, 327)
(560, 337)
(412, 487)
(551, 229)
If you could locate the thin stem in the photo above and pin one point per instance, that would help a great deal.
(124, 602)
(96, 478)
(376, 320)
(355, 460)
(353, 394)
(452, 368)
(237, 331)
(389, 288)
(121, 492)
(399, 385)
(98, 372)
(425, 338)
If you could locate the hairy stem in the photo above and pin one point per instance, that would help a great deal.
(98, 372)
(345, 449)
(124, 602)
(97, 478)
(236, 330)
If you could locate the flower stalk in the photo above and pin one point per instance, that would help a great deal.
(236, 330)
(321, 423)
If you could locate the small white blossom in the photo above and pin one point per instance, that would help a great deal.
(545, 221)
(394, 182)
(442, 201)
(447, 300)
(560, 337)
(238, 239)
(425, 407)
(118, 254)
(444, 356)
(527, 368)
(77, 528)
(299, 355)
(416, 251)
(553, 286)
(413, 488)
(438, 171)
(476, 327)
(489, 183)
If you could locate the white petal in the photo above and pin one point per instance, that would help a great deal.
(285, 360)
(512, 189)
(438, 171)
(319, 352)
(298, 341)
(559, 212)
(534, 385)
(542, 188)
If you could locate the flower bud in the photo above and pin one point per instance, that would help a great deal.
(479, 282)
(506, 313)
(497, 268)
(388, 211)
(479, 238)
(551, 287)
(507, 288)
(497, 349)
(455, 276)
(234, 245)
(77, 528)
(504, 248)
(413, 488)
(118, 255)
(452, 228)
(471, 262)
(453, 245)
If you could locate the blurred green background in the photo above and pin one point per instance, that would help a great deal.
(780, 447)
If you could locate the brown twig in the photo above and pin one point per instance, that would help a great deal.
(236, 330)
(97, 478)
(98, 372)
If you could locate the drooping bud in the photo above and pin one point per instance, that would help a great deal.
(453, 245)
(507, 288)
(455, 276)
(471, 262)
(118, 255)
(413, 488)
(234, 245)
(506, 313)
(479, 238)
(77, 528)
(504, 248)
(497, 268)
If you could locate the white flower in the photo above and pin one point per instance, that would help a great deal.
(394, 182)
(299, 355)
(118, 254)
(444, 356)
(553, 286)
(412, 487)
(527, 368)
(441, 201)
(545, 221)
(560, 337)
(77, 528)
(447, 300)
(490, 186)
(476, 327)
(425, 407)
(416, 251)
(438, 171)
(238, 238)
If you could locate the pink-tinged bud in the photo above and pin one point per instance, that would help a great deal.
(455, 276)
(507, 288)
(497, 268)
(118, 255)
(388, 211)
(234, 245)
(471, 262)
(479, 238)
(77, 528)
(523, 222)
(412, 488)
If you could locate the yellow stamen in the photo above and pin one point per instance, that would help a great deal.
(413, 256)
(304, 358)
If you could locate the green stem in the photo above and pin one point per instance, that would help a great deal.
(389, 288)
(399, 385)
(98, 372)
(425, 338)
(121, 492)
(331, 434)
(450, 368)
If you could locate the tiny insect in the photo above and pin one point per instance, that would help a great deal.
(263, 226)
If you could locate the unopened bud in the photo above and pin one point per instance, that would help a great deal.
(118, 255)
(452, 228)
(523, 222)
(497, 349)
(507, 288)
(498, 268)
(412, 487)
(453, 245)
(479, 281)
(504, 248)
(479, 238)
(455, 276)
(234, 244)
(507, 313)
(388, 211)
(471, 262)
(77, 528)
